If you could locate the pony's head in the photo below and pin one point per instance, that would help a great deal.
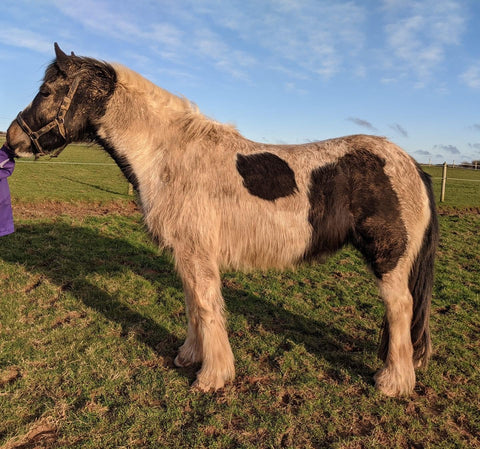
(71, 99)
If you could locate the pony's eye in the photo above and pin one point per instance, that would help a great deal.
(45, 92)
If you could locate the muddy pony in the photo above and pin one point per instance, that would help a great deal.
(221, 201)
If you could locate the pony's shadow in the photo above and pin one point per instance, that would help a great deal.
(66, 256)
(69, 254)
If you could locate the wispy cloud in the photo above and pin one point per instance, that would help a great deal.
(423, 153)
(363, 123)
(22, 38)
(418, 34)
(211, 46)
(471, 77)
(165, 38)
(100, 17)
(399, 129)
(449, 148)
(475, 146)
(310, 35)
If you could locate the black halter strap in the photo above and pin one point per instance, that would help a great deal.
(58, 121)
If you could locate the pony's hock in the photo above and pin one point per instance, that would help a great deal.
(219, 200)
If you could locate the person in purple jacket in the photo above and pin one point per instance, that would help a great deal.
(7, 165)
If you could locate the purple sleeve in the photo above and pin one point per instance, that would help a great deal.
(6, 164)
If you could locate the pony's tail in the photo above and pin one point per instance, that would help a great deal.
(420, 284)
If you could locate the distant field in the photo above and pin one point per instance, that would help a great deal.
(81, 173)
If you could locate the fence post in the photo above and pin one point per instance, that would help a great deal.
(444, 181)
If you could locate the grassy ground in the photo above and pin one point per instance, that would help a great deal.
(92, 316)
(80, 173)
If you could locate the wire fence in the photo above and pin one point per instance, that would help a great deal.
(456, 183)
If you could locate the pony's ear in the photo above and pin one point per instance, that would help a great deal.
(62, 58)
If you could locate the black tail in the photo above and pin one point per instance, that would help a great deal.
(420, 283)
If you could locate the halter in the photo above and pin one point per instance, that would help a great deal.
(58, 121)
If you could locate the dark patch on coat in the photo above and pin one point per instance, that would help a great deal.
(352, 201)
(266, 175)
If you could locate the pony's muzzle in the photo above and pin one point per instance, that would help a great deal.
(18, 140)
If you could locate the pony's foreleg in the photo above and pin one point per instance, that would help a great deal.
(191, 350)
(397, 377)
(207, 339)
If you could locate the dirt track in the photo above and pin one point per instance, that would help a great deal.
(53, 208)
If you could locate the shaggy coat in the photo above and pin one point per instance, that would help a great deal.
(219, 200)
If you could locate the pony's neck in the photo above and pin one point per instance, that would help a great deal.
(139, 109)
(143, 126)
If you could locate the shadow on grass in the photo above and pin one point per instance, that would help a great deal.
(66, 255)
(93, 186)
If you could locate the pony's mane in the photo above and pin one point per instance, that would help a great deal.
(180, 111)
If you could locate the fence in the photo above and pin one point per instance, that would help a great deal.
(455, 183)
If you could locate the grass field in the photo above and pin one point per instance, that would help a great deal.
(92, 314)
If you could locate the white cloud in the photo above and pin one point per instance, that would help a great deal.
(311, 37)
(100, 17)
(22, 38)
(418, 34)
(471, 77)
(211, 46)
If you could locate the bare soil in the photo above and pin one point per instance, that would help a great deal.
(48, 209)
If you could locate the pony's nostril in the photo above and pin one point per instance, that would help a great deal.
(17, 139)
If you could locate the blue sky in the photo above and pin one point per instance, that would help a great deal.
(283, 71)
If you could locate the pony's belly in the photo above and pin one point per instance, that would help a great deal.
(264, 241)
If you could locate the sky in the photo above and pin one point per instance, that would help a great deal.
(281, 71)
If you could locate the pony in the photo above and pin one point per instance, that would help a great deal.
(220, 201)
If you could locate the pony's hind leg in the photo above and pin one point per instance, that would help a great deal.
(397, 377)
(207, 339)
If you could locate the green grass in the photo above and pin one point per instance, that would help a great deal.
(91, 316)
(81, 173)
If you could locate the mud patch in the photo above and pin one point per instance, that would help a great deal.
(9, 375)
(48, 209)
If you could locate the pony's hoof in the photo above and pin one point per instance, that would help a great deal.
(180, 362)
(208, 380)
(205, 386)
(188, 355)
(393, 383)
